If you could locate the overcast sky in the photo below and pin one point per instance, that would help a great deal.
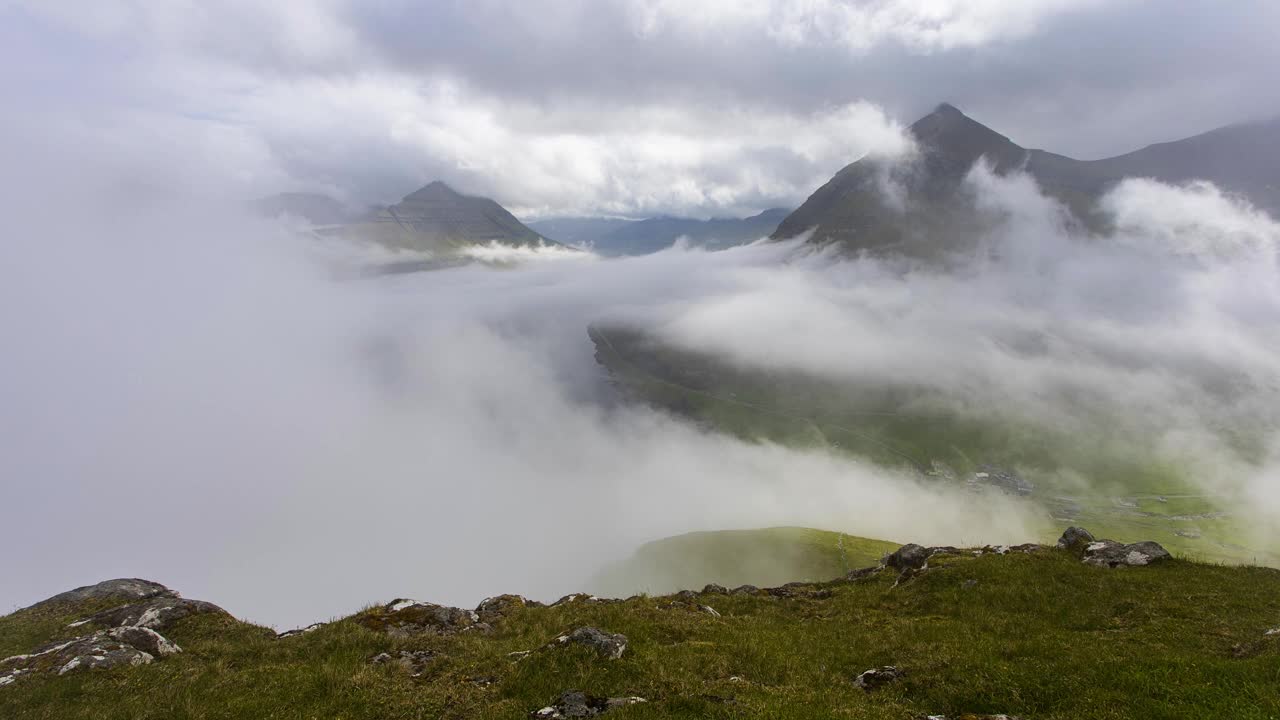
(612, 106)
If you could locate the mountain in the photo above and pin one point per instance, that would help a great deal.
(1031, 631)
(613, 237)
(315, 208)
(439, 219)
(918, 206)
(578, 231)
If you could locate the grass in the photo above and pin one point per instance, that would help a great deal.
(771, 556)
(1041, 636)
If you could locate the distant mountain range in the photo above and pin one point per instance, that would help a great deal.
(614, 236)
(917, 206)
(435, 218)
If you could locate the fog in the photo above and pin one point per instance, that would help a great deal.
(221, 404)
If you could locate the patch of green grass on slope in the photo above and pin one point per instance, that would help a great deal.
(770, 556)
(1041, 636)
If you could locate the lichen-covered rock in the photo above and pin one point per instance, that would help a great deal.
(714, 589)
(575, 598)
(1109, 553)
(413, 662)
(403, 618)
(157, 613)
(577, 704)
(745, 590)
(909, 556)
(122, 646)
(607, 645)
(491, 610)
(300, 631)
(1075, 539)
(876, 678)
(121, 590)
(861, 573)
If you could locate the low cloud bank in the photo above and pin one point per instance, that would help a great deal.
(200, 398)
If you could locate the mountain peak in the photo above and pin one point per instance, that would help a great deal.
(434, 190)
(947, 109)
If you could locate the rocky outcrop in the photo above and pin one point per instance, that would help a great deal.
(156, 614)
(491, 610)
(116, 647)
(119, 590)
(876, 678)
(609, 646)
(908, 557)
(1109, 553)
(577, 704)
(412, 662)
(404, 618)
(1075, 539)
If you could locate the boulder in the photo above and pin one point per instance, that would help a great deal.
(119, 590)
(491, 610)
(714, 589)
(876, 678)
(413, 662)
(403, 618)
(116, 647)
(157, 614)
(577, 704)
(909, 556)
(1109, 553)
(607, 645)
(745, 590)
(1075, 539)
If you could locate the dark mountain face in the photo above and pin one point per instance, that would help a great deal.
(917, 206)
(438, 219)
(314, 208)
(613, 237)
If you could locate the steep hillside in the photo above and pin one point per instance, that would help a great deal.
(916, 205)
(438, 219)
(1031, 632)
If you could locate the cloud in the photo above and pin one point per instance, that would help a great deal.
(630, 107)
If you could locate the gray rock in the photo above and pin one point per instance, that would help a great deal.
(714, 589)
(403, 618)
(157, 613)
(1075, 539)
(105, 649)
(300, 631)
(862, 572)
(122, 589)
(876, 678)
(607, 645)
(577, 704)
(745, 590)
(687, 595)
(969, 584)
(491, 610)
(413, 662)
(1109, 553)
(909, 556)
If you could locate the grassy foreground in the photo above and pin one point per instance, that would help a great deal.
(1040, 636)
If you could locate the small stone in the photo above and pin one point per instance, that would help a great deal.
(577, 704)
(969, 584)
(876, 678)
(607, 645)
(413, 662)
(709, 610)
